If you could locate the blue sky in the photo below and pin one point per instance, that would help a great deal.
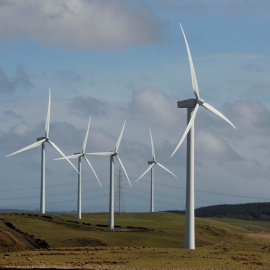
(116, 60)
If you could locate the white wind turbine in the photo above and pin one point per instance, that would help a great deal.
(113, 154)
(192, 106)
(41, 141)
(79, 156)
(152, 163)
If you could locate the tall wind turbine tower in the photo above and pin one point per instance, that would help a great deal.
(79, 156)
(192, 105)
(152, 163)
(41, 141)
(113, 154)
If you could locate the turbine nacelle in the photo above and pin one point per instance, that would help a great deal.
(152, 162)
(42, 138)
(190, 103)
(187, 103)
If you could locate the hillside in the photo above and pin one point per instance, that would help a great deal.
(248, 211)
(140, 240)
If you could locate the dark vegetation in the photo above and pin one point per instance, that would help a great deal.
(248, 211)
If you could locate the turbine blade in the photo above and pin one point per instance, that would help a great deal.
(47, 125)
(191, 122)
(152, 144)
(33, 145)
(148, 169)
(90, 165)
(86, 136)
(101, 153)
(215, 111)
(70, 157)
(120, 137)
(192, 70)
(62, 154)
(161, 166)
(123, 169)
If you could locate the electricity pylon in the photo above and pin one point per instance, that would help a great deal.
(119, 194)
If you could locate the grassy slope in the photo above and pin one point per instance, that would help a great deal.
(218, 241)
(255, 226)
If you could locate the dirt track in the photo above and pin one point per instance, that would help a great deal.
(260, 235)
(8, 241)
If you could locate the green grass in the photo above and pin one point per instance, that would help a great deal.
(219, 242)
(255, 226)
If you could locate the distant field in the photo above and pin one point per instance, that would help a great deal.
(140, 241)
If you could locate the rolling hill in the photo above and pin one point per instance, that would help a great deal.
(140, 240)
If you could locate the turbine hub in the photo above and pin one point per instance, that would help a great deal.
(200, 101)
(151, 162)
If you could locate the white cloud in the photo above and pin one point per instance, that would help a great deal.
(155, 107)
(250, 117)
(76, 24)
(215, 148)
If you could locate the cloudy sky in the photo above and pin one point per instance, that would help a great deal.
(122, 59)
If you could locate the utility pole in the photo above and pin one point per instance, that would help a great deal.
(119, 194)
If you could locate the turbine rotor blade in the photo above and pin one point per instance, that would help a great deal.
(191, 122)
(33, 145)
(124, 170)
(62, 154)
(91, 167)
(161, 166)
(47, 125)
(120, 137)
(152, 144)
(70, 157)
(101, 153)
(192, 70)
(86, 136)
(147, 170)
(215, 111)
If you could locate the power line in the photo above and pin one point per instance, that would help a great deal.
(88, 193)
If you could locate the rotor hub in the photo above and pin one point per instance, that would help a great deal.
(200, 101)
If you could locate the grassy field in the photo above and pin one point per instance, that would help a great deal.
(140, 241)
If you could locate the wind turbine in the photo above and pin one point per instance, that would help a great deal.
(113, 154)
(81, 155)
(192, 106)
(152, 163)
(41, 141)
